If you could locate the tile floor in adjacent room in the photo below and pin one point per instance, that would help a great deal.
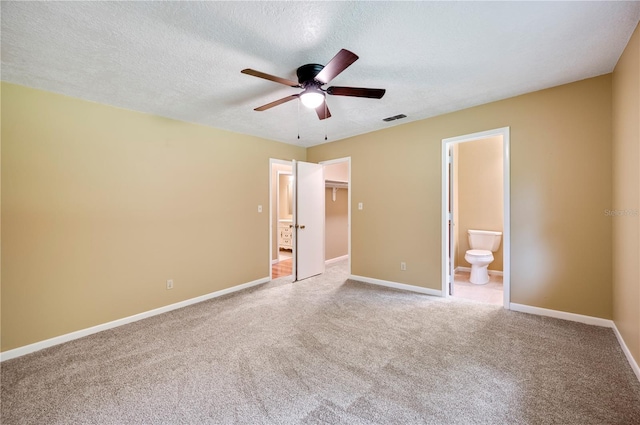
(490, 293)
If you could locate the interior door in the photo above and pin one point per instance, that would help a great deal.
(452, 239)
(308, 220)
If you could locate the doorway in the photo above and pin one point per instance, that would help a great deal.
(291, 241)
(337, 175)
(283, 265)
(281, 218)
(453, 231)
(304, 198)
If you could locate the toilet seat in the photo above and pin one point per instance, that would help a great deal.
(479, 260)
(479, 252)
(479, 255)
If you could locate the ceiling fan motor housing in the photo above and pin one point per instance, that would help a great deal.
(307, 74)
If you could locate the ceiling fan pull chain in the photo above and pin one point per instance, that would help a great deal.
(325, 121)
(298, 118)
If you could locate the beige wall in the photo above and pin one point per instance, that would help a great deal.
(560, 184)
(336, 223)
(0, 215)
(285, 193)
(336, 212)
(338, 171)
(626, 195)
(478, 167)
(100, 206)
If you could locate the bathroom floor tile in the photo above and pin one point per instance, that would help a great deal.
(490, 293)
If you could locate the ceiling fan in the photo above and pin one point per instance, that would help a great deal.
(311, 78)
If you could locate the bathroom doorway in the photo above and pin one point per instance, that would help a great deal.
(475, 195)
(284, 214)
(281, 218)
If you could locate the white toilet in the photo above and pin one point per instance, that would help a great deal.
(483, 244)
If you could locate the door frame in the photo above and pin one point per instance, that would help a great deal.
(278, 194)
(272, 162)
(272, 194)
(447, 144)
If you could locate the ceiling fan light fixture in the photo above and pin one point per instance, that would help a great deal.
(312, 98)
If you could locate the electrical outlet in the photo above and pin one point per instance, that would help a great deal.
(403, 266)
(170, 284)
(259, 208)
(360, 206)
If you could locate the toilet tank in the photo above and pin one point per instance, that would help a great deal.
(484, 239)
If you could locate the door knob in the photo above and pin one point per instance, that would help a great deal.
(302, 226)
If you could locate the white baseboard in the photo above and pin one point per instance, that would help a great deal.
(336, 259)
(396, 285)
(468, 270)
(627, 353)
(589, 320)
(21, 351)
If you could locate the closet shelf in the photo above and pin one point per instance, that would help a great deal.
(337, 184)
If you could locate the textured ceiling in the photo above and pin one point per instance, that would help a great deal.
(183, 59)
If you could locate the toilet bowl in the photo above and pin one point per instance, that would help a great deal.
(479, 260)
(483, 244)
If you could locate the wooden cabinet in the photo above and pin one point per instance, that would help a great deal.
(285, 235)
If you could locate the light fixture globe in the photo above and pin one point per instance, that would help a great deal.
(312, 97)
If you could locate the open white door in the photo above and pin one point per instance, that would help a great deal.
(451, 229)
(308, 220)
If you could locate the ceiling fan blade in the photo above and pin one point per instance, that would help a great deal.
(323, 111)
(356, 92)
(339, 63)
(269, 77)
(277, 102)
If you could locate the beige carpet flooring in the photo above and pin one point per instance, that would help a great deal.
(328, 351)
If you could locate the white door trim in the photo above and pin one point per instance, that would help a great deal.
(506, 233)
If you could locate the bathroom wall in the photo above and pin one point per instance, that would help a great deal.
(480, 204)
(286, 199)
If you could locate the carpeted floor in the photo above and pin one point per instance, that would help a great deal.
(327, 350)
